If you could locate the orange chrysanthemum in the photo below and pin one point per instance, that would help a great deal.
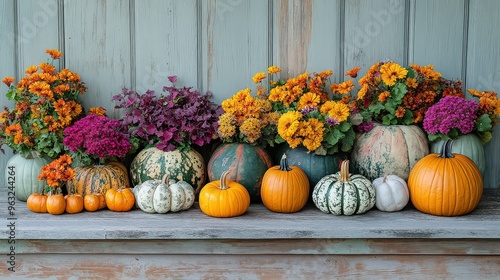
(30, 70)
(308, 100)
(342, 88)
(353, 72)
(273, 70)
(100, 111)
(13, 129)
(383, 96)
(400, 112)
(55, 54)
(258, 77)
(8, 80)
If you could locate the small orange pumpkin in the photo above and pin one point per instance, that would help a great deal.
(37, 203)
(94, 202)
(224, 198)
(120, 200)
(445, 184)
(56, 204)
(285, 189)
(74, 203)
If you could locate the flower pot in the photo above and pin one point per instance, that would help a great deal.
(22, 173)
(246, 164)
(315, 166)
(468, 145)
(153, 163)
(388, 150)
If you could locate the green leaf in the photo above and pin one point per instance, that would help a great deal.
(386, 120)
(398, 91)
(348, 141)
(344, 126)
(483, 123)
(485, 136)
(376, 108)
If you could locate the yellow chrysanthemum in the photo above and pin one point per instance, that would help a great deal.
(342, 88)
(340, 112)
(362, 92)
(312, 133)
(308, 100)
(273, 69)
(226, 129)
(99, 111)
(251, 128)
(302, 79)
(327, 106)
(288, 124)
(258, 77)
(474, 92)
(391, 72)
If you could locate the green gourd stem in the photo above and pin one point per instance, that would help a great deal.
(223, 185)
(284, 164)
(165, 179)
(446, 149)
(344, 171)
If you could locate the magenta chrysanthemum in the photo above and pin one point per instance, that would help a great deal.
(451, 112)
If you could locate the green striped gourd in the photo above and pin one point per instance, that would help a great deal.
(246, 164)
(154, 164)
(343, 193)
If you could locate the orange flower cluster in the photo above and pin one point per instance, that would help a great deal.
(489, 104)
(46, 102)
(58, 171)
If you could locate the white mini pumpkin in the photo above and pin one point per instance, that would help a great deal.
(391, 192)
(343, 193)
(154, 196)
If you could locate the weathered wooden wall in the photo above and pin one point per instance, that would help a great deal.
(218, 45)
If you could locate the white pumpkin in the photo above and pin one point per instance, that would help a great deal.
(343, 193)
(391, 193)
(154, 196)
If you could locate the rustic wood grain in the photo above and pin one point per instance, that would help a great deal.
(257, 223)
(483, 70)
(7, 68)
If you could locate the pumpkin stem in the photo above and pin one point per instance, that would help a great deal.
(284, 164)
(446, 149)
(344, 171)
(165, 178)
(385, 179)
(223, 176)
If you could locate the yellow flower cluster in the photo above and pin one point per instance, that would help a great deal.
(296, 131)
(245, 117)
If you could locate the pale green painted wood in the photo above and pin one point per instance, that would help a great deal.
(38, 31)
(483, 70)
(7, 67)
(97, 41)
(436, 35)
(374, 31)
(234, 45)
(165, 43)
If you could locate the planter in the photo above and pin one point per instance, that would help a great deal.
(468, 145)
(246, 165)
(22, 173)
(153, 164)
(389, 150)
(315, 166)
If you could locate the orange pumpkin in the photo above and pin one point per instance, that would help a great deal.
(98, 179)
(285, 189)
(120, 200)
(224, 198)
(94, 202)
(445, 184)
(74, 203)
(56, 204)
(37, 203)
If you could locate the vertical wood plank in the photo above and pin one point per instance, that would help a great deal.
(437, 29)
(165, 43)
(97, 41)
(7, 67)
(234, 45)
(483, 70)
(374, 31)
(38, 31)
(306, 36)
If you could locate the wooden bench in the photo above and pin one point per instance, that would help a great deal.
(258, 245)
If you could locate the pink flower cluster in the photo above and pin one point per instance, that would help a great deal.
(97, 137)
(451, 112)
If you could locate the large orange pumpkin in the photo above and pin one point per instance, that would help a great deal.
(445, 184)
(285, 189)
(91, 179)
(224, 198)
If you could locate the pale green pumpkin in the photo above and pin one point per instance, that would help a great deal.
(22, 173)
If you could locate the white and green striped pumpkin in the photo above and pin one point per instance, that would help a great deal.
(22, 173)
(154, 164)
(155, 196)
(343, 193)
